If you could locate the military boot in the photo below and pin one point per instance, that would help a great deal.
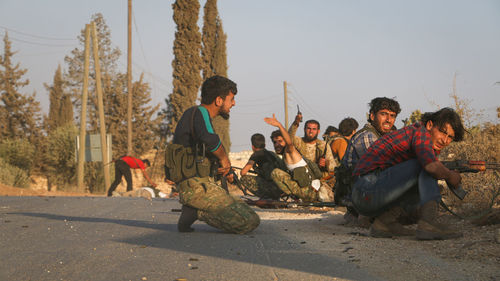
(428, 226)
(387, 225)
(188, 217)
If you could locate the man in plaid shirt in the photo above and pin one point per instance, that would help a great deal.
(401, 163)
(381, 118)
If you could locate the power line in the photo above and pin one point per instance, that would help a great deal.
(40, 44)
(37, 36)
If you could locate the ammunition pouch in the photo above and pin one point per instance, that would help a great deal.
(306, 174)
(185, 162)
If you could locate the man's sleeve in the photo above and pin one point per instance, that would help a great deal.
(422, 144)
(368, 139)
(205, 132)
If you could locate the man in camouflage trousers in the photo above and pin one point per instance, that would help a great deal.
(263, 163)
(293, 160)
(201, 197)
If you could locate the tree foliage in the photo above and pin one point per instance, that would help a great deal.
(61, 107)
(214, 60)
(187, 63)
(19, 114)
(415, 116)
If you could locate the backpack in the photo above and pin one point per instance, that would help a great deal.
(272, 162)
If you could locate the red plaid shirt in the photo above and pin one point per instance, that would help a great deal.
(407, 143)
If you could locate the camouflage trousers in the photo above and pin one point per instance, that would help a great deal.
(261, 187)
(285, 182)
(216, 207)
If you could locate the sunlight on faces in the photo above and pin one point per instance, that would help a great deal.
(279, 144)
(383, 120)
(225, 105)
(311, 132)
(440, 137)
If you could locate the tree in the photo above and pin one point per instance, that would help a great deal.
(61, 107)
(108, 58)
(114, 96)
(415, 116)
(19, 114)
(186, 65)
(215, 60)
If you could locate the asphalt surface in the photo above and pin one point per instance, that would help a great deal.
(98, 238)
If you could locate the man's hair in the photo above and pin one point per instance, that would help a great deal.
(330, 129)
(146, 162)
(216, 86)
(443, 116)
(275, 134)
(312, 121)
(381, 103)
(258, 141)
(347, 126)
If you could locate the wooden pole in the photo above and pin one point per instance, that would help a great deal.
(129, 81)
(100, 105)
(83, 114)
(286, 105)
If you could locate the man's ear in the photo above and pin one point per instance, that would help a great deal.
(372, 116)
(429, 125)
(218, 101)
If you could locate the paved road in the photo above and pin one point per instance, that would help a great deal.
(97, 238)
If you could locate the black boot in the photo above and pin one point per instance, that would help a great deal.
(188, 217)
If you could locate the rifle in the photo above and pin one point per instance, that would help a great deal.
(250, 171)
(276, 204)
(468, 166)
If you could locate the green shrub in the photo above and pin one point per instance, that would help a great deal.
(19, 153)
(13, 176)
(60, 156)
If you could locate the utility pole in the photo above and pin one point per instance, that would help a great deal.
(129, 81)
(286, 105)
(83, 114)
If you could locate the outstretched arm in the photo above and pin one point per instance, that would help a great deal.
(274, 122)
(148, 178)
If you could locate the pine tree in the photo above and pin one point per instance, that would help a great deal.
(108, 58)
(214, 60)
(187, 62)
(20, 114)
(60, 108)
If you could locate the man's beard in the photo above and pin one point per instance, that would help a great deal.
(224, 115)
(310, 139)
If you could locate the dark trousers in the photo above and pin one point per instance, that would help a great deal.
(121, 169)
(374, 192)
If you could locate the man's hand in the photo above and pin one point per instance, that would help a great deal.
(322, 162)
(454, 179)
(168, 181)
(298, 119)
(154, 185)
(272, 121)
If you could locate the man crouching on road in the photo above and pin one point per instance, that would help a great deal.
(200, 196)
(404, 160)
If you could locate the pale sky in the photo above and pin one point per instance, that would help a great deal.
(335, 55)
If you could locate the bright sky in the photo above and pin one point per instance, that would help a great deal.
(335, 55)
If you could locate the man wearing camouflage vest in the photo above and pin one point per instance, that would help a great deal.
(191, 159)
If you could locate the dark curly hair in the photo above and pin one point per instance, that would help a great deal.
(216, 86)
(446, 116)
(381, 103)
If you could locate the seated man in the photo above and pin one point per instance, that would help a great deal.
(404, 160)
(303, 180)
(263, 163)
(347, 128)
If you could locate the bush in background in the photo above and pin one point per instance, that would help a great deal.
(60, 157)
(483, 187)
(13, 176)
(18, 153)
